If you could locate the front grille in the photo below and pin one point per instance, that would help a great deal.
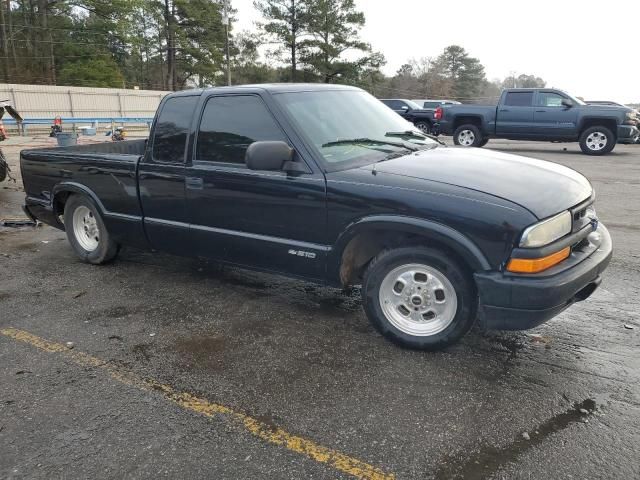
(579, 214)
(583, 214)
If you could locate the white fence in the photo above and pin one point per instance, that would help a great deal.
(46, 102)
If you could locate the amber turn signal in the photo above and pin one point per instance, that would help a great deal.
(535, 265)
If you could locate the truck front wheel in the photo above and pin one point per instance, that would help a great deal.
(87, 232)
(468, 136)
(597, 141)
(419, 297)
(424, 126)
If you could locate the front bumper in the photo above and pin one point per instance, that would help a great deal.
(519, 302)
(627, 133)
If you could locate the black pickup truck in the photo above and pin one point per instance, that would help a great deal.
(421, 117)
(325, 183)
(539, 114)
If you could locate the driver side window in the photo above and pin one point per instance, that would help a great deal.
(230, 124)
(549, 99)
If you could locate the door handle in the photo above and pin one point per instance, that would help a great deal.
(504, 109)
(541, 111)
(194, 183)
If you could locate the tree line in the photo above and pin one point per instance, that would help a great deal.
(178, 44)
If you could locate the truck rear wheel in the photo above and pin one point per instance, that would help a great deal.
(87, 232)
(597, 141)
(468, 135)
(419, 297)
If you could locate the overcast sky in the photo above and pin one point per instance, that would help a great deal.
(591, 49)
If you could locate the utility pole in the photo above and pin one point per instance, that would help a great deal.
(226, 18)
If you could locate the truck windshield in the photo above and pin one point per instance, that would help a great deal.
(335, 123)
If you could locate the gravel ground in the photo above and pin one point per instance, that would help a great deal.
(291, 380)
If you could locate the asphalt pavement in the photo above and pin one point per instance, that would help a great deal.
(178, 368)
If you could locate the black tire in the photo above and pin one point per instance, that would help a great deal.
(466, 297)
(483, 142)
(471, 131)
(424, 125)
(589, 147)
(106, 249)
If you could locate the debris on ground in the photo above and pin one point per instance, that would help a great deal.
(70, 345)
(541, 339)
(526, 436)
(629, 327)
(152, 334)
(17, 222)
(79, 294)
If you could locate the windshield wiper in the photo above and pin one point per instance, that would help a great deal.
(355, 141)
(413, 134)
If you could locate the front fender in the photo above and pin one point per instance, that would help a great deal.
(458, 242)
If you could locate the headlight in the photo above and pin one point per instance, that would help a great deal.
(630, 118)
(547, 231)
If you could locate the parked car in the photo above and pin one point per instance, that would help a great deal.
(325, 183)
(539, 114)
(428, 104)
(423, 118)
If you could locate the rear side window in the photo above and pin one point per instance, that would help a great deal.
(432, 104)
(230, 124)
(172, 129)
(519, 99)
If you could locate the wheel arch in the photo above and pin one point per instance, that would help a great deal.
(476, 120)
(608, 122)
(365, 238)
(61, 192)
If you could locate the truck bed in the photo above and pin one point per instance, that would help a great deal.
(107, 170)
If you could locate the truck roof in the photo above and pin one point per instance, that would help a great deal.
(270, 87)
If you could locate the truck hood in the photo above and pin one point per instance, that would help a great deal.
(543, 188)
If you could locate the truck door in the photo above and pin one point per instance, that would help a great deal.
(161, 175)
(271, 220)
(398, 106)
(514, 118)
(551, 118)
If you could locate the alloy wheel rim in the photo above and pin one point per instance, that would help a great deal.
(85, 228)
(596, 141)
(466, 138)
(418, 300)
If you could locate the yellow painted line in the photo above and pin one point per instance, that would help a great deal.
(262, 430)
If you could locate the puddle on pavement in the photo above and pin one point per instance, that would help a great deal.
(489, 460)
(200, 351)
(142, 351)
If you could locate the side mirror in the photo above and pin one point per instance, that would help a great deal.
(567, 103)
(268, 155)
(404, 107)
